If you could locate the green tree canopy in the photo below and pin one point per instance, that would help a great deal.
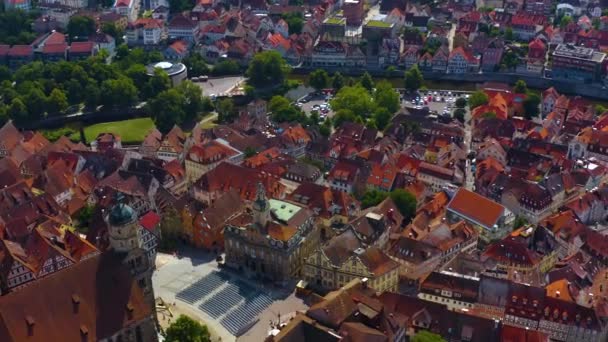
(356, 99)
(372, 197)
(196, 65)
(159, 82)
(166, 109)
(57, 101)
(113, 30)
(266, 69)
(413, 78)
(319, 79)
(283, 111)
(80, 26)
(295, 21)
(426, 336)
(17, 111)
(461, 102)
(119, 92)
(459, 114)
(478, 98)
(337, 81)
(367, 82)
(405, 202)
(185, 329)
(531, 105)
(16, 27)
(225, 110)
(520, 87)
(177, 6)
(386, 97)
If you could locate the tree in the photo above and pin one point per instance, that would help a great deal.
(295, 21)
(16, 26)
(325, 128)
(459, 114)
(319, 79)
(139, 74)
(599, 109)
(413, 78)
(405, 202)
(80, 27)
(386, 97)
(283, 111)
(531, 105)
(426, 336)
(185, 329)
(112, 30)
(382, 117)
(343, 115)
(120, 92)
(461, 102)
(372, 197)
(564, 21)
(178, 6)
(367, 82)
(509, 33)
(36, 102)
(520, 87)
(337, 81)
(159, 82)
(250, 152)
(225, 67)
(57, 101)
(17, 111)
(196, 65)
(84, 217)
(92, 96)
(225, 110)
(519, 222)
(478, 98)
(356, 99)
(194, 102)
(166, 109)
(267, 69)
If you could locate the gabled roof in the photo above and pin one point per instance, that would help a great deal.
(476, 208)
(87, 285)
(150, 221)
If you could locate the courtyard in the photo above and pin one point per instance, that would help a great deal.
(232, 306)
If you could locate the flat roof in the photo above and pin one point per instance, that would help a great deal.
(283, 211)
(579, 52)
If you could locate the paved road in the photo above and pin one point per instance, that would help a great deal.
(219, 86)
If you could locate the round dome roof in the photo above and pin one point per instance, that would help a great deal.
(121, 214)
(163, 65)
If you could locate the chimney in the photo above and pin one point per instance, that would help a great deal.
(557, 294)
(75, 303)
(84, 333)
(364, 282)
(29, 321)
(129, 311)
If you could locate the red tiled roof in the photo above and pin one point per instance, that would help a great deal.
(21, 51)
(82, 47)
(476, 207)
(54, 48)
(150, 220)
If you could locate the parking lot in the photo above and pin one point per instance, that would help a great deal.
(438, 102)
(318, 102)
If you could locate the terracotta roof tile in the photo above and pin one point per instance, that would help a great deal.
(476, 208)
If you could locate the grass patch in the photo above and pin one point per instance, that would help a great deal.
(334, 21)
(378, 23)
(130, 131)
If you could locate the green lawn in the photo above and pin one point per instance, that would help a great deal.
(130, 131)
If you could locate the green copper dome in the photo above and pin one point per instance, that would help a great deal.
(121, 214)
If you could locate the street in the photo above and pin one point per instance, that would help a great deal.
(219, 86)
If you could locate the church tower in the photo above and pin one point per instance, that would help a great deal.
(261, 208)
(125, 240)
